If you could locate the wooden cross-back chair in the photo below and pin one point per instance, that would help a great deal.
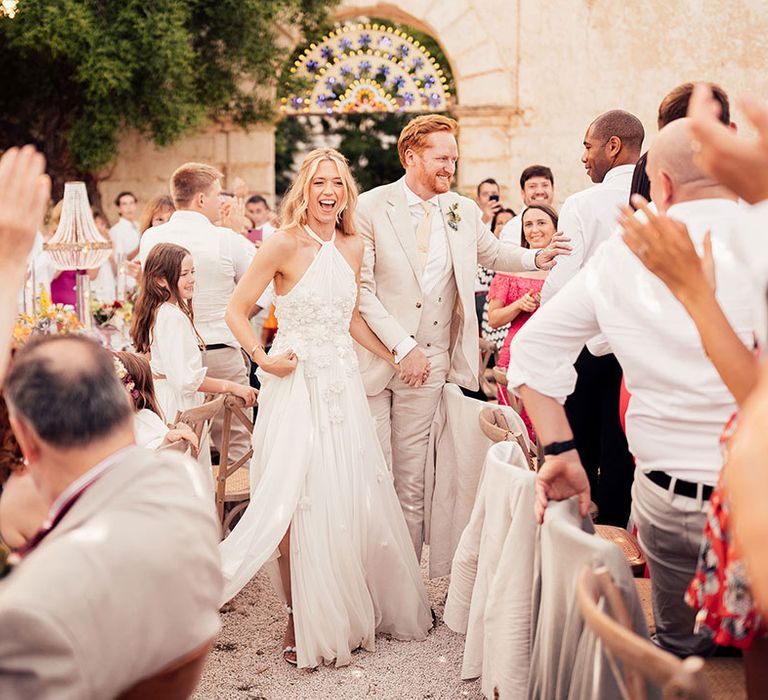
(175, 682)
(682, 679)
(233, 483)
(199, 418)
(495, 427)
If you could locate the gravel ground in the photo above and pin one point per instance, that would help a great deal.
(246, 661)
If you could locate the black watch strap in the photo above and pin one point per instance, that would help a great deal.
(556, 448)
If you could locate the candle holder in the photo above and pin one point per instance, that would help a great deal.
(78, 245)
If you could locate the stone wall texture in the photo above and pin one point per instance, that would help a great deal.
(530, 77)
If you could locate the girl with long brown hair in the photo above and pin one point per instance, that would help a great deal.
(163, 327)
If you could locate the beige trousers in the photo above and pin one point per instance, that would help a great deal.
(403, 417)
(230, 364)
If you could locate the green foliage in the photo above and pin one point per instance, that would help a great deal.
(76, 73)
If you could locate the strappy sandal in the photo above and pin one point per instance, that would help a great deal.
(289, 653)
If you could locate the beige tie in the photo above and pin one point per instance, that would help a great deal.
(423, 233)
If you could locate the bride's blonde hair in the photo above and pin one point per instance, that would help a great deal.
(296, 200)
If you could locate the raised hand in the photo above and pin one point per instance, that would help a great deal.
(738, 162)
(545, 258)
(24, 194)
(560, 477)
(665, 248)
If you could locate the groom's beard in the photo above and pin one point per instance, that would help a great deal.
(440, 185)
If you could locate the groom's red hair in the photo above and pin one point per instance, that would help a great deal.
(414, 134)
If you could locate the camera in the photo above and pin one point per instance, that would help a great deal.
(493, 198)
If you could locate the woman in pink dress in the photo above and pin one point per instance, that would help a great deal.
(513, 298)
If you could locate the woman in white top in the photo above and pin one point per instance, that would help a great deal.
(163, 326)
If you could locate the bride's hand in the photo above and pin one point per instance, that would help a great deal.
(281, 365)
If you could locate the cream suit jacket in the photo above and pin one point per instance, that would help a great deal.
(391, 293)
(126, 583)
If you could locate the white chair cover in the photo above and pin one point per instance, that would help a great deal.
(454, 463)
(489, 598)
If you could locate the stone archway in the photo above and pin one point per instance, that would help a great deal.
(484, 71)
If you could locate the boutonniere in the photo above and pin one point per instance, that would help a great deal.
(453, 216)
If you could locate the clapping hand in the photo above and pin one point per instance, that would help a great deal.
(233, 214)
(545, 258)
(527, 303)
(664, 246)
(560, 477)
(739, 163)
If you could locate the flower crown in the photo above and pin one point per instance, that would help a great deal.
(125, 377)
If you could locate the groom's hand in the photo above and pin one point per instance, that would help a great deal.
(414, 368)
(545, 258)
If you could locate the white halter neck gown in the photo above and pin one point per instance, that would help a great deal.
(318, 468)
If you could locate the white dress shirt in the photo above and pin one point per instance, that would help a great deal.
(751, 245)
(679, 404)
(221, 258)
(588, 218)
(513, 229)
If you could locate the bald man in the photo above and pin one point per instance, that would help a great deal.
(679, 404)
(611, 148)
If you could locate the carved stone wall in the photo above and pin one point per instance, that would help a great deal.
(530, 77)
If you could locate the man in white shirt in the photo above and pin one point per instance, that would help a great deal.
(611, 148)
(258, 212)
(422, 247)
(537, 186)
(124, 578)
(221, 258)
(679, 405)
(125, 233)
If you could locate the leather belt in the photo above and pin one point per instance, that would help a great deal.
(217, 346)
(682, 487)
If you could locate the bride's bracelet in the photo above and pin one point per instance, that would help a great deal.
(253, 350)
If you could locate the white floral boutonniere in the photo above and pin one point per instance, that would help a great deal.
(454, 218)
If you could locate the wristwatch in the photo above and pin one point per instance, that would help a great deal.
(556, 448)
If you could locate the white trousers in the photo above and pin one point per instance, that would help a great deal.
(403, 417)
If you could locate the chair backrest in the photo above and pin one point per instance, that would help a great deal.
(495, 427)
(682, 679)
(175, 682)
(233, 409)
(567, 660)
(199, 418)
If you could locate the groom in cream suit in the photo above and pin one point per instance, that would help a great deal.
(422, 247)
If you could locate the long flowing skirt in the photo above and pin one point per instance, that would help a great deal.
(318, 468)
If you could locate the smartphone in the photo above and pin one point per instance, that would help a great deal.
(493, 198)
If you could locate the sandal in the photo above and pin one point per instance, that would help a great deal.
(289, 652)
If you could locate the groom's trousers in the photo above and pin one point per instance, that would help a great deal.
(403, 417)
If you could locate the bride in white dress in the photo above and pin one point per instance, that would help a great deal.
(321, 492)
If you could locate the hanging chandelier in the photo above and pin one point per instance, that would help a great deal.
(8, 8)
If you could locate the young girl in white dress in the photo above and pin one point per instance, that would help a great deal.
(321, 491)
(163, 326)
